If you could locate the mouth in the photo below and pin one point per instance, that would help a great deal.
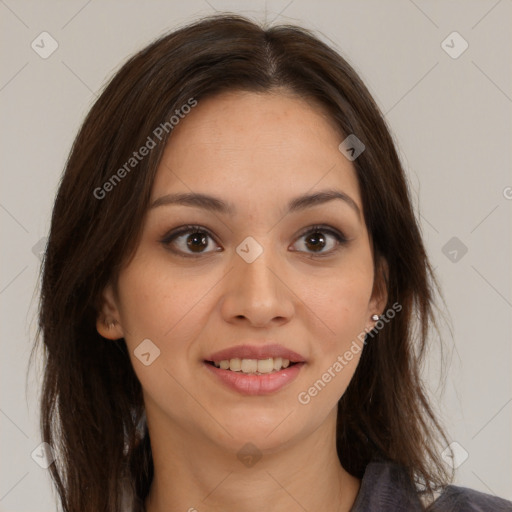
(253, 366)
(257, 369)
(244, 376)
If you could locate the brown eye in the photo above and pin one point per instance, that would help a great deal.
(197, 242)
(316, 241)
(189, 240)
(321, 240)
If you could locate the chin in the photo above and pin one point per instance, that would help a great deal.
(270, 431)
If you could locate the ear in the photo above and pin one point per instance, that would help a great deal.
(108, 321)
(379, 296)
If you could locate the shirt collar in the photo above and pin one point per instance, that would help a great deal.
(386, 487)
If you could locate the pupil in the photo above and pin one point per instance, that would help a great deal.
(318, 240)
(196, 240)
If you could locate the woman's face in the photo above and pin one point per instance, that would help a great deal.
(254, 272)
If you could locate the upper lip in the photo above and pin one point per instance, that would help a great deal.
(256, 352)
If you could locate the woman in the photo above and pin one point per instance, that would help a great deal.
(236, 296)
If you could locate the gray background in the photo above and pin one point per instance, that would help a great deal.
(451, 121)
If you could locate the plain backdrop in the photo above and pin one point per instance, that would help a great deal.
(448, 106)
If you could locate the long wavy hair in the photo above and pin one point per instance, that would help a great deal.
(92, 409)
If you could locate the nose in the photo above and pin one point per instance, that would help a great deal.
(257, 293)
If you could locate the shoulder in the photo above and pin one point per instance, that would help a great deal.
(462, 499)
(387, 487)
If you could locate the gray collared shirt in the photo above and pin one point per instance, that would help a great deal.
(386, 487)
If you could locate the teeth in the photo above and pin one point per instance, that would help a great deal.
(266, 365)
(258, 366)
(234, 364)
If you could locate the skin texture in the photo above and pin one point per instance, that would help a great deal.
(256, 151)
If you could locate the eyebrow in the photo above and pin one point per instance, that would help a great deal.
(215, 204)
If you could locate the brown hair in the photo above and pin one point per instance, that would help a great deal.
(92, 402)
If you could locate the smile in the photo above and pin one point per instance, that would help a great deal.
(253, 366)
(245, 376)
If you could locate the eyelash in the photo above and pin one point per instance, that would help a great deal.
(190, 229)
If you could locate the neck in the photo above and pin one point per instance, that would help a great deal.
(196, 475)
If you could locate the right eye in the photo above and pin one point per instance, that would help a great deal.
(189, 241)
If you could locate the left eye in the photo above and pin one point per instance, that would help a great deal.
(317, 238)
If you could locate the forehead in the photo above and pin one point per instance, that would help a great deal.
(245, 142)
(248, 120)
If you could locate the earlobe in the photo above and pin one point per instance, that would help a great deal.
(380, 290)
(110, 329)
(108, 322)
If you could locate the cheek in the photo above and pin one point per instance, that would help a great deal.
(167, 307)
(144, 304)
(162, 303)
(342, 300)
(341, 303)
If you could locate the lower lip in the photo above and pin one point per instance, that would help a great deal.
(256, 384)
